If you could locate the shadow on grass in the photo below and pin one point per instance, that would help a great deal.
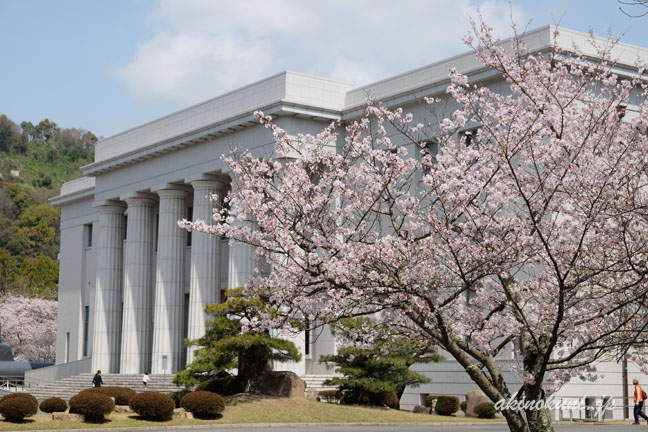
(23, 421)
(151, 419)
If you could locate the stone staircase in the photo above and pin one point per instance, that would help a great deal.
(68, 387)
(316, 382)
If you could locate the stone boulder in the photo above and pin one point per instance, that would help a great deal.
(282, 384)
(180, 413)
(418, 409)
(66, 416)
(473, 399)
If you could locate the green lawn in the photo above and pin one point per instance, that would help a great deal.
(256, 410)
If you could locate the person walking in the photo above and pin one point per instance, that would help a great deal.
(639, 398)
(145, 379)
(97, 381)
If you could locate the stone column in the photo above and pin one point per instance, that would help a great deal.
(204, 260)
(169, 278)
(242, 259)
(138, 287)
(108, 295)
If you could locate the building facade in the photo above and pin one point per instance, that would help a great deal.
(133, 284)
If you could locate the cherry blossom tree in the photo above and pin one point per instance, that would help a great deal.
(28, 326)
(531, 234)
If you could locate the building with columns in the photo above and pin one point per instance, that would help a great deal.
(133, 284)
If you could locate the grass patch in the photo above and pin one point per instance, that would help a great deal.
(252, 409)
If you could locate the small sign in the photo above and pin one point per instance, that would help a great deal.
(164, 362)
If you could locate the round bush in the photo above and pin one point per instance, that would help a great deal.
(153, 405)
(463, 405)
(485, 410)
(122, 395)
(203, 405)
(93, 405)
(52, 405)
(447, 405)
(17, 408)
(21, 396)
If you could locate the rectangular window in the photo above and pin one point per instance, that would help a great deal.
(189, 218)
(125, 227)
(86, 324)
(469, 136)
(67, 347)
(222, 296)
(88, 235)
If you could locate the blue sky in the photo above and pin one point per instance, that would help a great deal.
(110, 65)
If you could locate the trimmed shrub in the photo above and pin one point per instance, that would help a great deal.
(390, 400)
(92, 404)
(227, 386)
(153, 405)
(52, 405)
(429, 399)
(177, 396)
(15, 409)
(203, 405)
(447, 405)
(463, 405)
(330, 396)
(122, 395)
(485, 410)
(21, 396)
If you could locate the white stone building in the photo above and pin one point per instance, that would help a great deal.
(133, 284)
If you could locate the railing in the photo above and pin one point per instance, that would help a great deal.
(592, 409)
(12, 383)
(57, 372)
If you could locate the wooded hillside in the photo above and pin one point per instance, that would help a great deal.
(34, 161)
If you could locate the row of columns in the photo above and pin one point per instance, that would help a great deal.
(152, 287)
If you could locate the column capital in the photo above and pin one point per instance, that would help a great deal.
(140, 199)
(208, 184)
(170, 190)
(111, 206)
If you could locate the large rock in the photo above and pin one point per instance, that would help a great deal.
(311, 395)
(180, 413)
(473, 399)
(418, 409)
(282, 384)
(66, 416)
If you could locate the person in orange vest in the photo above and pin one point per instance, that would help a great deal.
(639, 397)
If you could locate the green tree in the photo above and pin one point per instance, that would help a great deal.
(225, 346)
(9, 133)
(8, 271)
(39, 277)
(39, 224)
(370, 373)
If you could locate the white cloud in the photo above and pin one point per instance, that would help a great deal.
(202, 48)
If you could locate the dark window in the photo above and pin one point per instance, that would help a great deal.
(470, 136)
(189, 218)
(86, 323)
(88, 235)
(125, 227)
(222, 296)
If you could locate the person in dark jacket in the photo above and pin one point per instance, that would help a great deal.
(97, 381)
